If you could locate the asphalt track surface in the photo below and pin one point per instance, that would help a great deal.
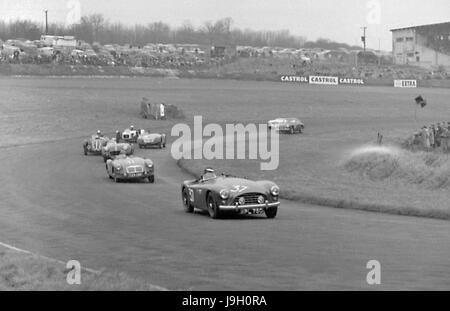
(61, 204)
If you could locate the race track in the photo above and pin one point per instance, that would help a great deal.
(56, 202)
(60, 204)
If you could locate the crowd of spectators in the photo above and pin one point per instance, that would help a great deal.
(435, 137)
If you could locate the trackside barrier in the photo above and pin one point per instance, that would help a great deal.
(332, 80)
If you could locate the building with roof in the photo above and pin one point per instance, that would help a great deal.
(426, 46)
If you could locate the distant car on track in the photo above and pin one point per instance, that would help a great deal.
(148, 140)
(94, 145)
(125, 167)
(223, 193)
(112, 149)
(287, 125)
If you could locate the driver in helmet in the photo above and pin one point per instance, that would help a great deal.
(99, 134)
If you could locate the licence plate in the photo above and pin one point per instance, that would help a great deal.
(257, 211)
(136, 175)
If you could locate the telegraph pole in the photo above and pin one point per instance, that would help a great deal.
(46, 21)
(363, 38)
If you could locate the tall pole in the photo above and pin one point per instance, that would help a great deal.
(46, 22)
(363, 39)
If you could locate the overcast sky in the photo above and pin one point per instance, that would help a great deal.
(336, 20)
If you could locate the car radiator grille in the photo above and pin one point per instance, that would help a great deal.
(135, 169)
(114, 153)
(250, 198)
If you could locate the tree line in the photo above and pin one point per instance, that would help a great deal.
(95, 28)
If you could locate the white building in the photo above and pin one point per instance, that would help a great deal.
(425, 46)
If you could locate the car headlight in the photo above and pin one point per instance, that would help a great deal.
(275, 191)
(150, 165)
(224, 194)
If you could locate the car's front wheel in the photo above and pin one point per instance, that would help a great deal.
(188, 208)
(213, 209)
(271, 212)
(151, 179)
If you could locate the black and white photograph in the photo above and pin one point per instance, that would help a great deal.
(232, 147)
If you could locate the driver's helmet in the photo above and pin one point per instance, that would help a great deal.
(209, 173)
(99, 133)
(132, 127)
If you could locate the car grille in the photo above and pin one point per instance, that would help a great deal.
(250, 198)
(135, 169)
(114, 153)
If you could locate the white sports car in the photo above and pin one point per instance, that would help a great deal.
(287, 125)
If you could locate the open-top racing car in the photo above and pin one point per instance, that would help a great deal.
(148, 140)
(287, 125)
(95, 144)
(112, 149)
(130, 135)
(224, 193)
(125, 167)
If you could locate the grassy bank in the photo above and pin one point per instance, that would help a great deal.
(324, 196)
(26, 272)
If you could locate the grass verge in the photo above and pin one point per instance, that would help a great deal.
(195, 167)
(27, 272)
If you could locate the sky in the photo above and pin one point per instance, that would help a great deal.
(336, 20)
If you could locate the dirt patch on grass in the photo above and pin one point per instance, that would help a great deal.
(425, 169)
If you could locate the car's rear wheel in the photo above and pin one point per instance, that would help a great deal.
(271, 212)
(188, 208)
(151, 179)
(292, 130)
(85, 151)
(213, 209)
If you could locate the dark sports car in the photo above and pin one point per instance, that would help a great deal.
(113, 149)
(150, 140)
(223, 193)
(94, 145)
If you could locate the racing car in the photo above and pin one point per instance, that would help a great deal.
(130, 135)
(113, 148)
(225, 193)
(125, 167)
(94, 144)
(147, 139)
(287, 125)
